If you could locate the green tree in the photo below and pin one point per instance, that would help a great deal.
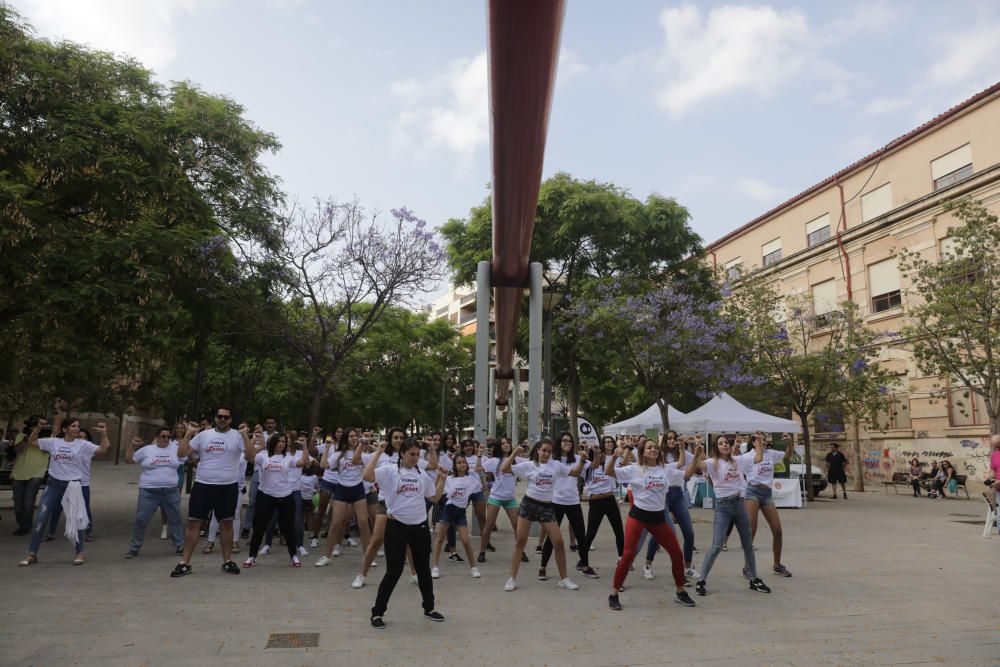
(953, 315)
(585, 232)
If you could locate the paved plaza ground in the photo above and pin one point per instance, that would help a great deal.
(878, 579)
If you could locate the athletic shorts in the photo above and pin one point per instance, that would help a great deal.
(510, 504)
(836, 477)
(381, 511)
(349, 494)
(207, 499)
(327, 486)
(372, 497)
(760, 494)
(454, 516)
(477, 497)
(535, 510)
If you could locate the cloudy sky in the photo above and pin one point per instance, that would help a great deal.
(729, 108)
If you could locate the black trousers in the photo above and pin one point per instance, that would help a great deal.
(265, 508)
(398, 536)
(598, 509)
(573, 514)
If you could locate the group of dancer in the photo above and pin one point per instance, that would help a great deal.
(391, 486)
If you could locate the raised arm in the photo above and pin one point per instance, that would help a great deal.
(368, 474)
(699, 454)
(356, 458)
(130, 450)
(104, 445)
(609, 465)
(438, 488)
(789, 450)
(581, 461)
(509, 461)
(184, 446)
(758, 447)
(33, 436)
(250, 449)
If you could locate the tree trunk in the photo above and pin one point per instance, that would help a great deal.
(664, 417)
(316, 403)
(808, 458)
(572, 395)
(859, 471)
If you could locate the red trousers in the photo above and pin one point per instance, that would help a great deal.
(664, 535)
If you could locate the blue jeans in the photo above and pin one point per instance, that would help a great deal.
(54, 519)
(730, 510)
(252, 505)
(25, 493)
(51, 505)
(677, 505)
(150, 500)
(299, 532)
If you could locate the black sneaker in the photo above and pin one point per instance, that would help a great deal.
(614, 603)
(574, 547)
(179, 550)
(481, 558)
(490, 548)
(684, 599)
(699, 588)
(580, 565)
(434, 616)
(538, 549)
(589, 572)
(845, 495)
(455, 558)
(541, 574)
(229, 567)
(378, 623)
(524, 558)
(759, 586)
(181, 570)
(132, 553)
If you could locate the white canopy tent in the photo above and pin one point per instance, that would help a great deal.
(724, 414)
(642, 422)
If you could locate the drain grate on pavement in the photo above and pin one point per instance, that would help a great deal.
(293, 640)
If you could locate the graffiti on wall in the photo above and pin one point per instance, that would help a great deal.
(881, 458)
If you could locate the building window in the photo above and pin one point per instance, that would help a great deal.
(877, 202)
(824, 297)
(883, 285)
(952, 167)
(771, 252)
(896, 413)
(818, 230)
(734, 269)
(966, 408)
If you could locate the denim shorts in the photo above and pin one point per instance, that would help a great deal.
(536, 510)
(760, 494)
(327, 486)
(349, 494)
(477, 497)
(510, 504)
(454, 516)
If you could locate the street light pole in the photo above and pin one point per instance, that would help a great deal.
(547, 363)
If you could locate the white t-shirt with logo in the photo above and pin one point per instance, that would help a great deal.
(505, 483)
(675, 475)
(330, 475)
(404, 490)
(458, 489)
(763, 472)
(649, 485)
(219, 456)
(567, 491)
(308, 484)
(444, 464)
(541, 478)
(70, 461)
(294, 473)
(597, 482)
(159, 466)
(727, 478)
(274, 480)
(348, 471)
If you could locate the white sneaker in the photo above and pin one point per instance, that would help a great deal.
(359, 581)
(435, 573)
(163, 533)
(303, 552)
(474, 572)
(647, 572)
(323, 561)
(413, 579)
(374, 564)
(313, 543)
(510, 585)
(381, 552)
(264, 550)
(336, 551)
(351, 542)
(568, 584)
(692, 573)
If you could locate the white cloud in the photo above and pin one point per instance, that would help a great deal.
(759, 191)
(733, 48)
(450, 110)
(142, 29)
(968, 55)
(882, 105)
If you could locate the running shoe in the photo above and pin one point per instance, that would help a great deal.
(568, 584)
(358, 582)
(481, 558)
(336, 551)
(474, 572)
(179, 549)
(352, 542)
(313, 543)
(435, 573)
(434, 616)
(303, 552)
(296, 562)
(414, 580)
(181, 570)
(541, 574)
(250, 562)
(691, 572)
(746, 573)
(699, 588)
(378, 623)
(538, 549)
(381, 552)
(590, 572)
(684, 599)
(759, 586)
(510, 585)
(782, 571)
(264, 550)
(132, 553)
(647, 572)
(323, 561)
(374, 564)
(580, 565)
(574, 547)
(163, 533)
(229, 567)
(455, 558)
(490, 547)
(524, 558)
(614, 603)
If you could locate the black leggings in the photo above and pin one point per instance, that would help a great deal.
(265, 508)
(398, 536)
(915, 483)
(600, 508)
(574, 515)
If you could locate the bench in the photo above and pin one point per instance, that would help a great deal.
(961, 485)
(898, 479)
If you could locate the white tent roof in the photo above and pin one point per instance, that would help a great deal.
(647, 419)
(724, 413)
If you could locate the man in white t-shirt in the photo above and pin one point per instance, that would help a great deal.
(216, 485)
